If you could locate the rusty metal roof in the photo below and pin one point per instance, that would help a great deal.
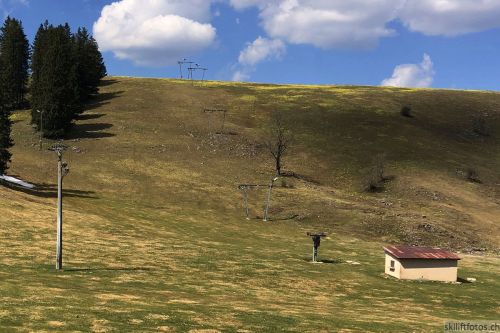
(419, 252)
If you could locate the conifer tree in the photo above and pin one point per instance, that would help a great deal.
(55, 86)
(90, 65)
(5, 140)
(14, 56)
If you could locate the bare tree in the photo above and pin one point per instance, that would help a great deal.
(279, 139)
(480, 125)
(376, 174)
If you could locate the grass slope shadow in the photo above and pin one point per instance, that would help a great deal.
(50, 191)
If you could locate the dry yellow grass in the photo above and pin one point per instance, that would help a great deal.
(155, 235)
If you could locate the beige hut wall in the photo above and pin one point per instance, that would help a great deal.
(397, 266)
(429, 269)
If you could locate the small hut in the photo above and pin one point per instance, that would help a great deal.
(421, 263)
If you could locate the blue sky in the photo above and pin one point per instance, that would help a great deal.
(423, 43)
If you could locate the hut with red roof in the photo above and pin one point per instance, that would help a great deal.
(421, 263)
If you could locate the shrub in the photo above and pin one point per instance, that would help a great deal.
(472, 175)
(480, 125)
(406, 111)
(372, 185)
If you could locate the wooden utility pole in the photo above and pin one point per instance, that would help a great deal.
(62, 170)
(266, 210)
(41, 127)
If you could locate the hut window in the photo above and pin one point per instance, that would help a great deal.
(392, 266)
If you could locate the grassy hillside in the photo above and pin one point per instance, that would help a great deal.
(156, 238)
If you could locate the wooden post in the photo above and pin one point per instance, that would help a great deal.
(209, 123)
(223, 122)
(41, 128)
(245, 195)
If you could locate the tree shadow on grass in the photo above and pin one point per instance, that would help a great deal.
(107, 82)
(90, 131)
(50, 191)
(90, 116)
(101, 99)
(295, 175)
(109, 269)
(93, 131)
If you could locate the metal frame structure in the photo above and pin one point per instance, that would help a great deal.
(181, 63)
(316, 237)
(194, 69)
(246, 187)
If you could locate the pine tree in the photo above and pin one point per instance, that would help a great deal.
(55, 86)
(39, 45)
(14, 56)
(90, 65)
(5, 140)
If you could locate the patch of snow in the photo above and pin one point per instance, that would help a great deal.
(16, 181)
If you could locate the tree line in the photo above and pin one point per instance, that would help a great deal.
(62, 70)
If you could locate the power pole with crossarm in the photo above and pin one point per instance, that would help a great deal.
(62, 170)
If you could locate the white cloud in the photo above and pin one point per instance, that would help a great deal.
(7, 6)
(13, 2)
(326, 23)
(158, 32)
(240, 76)
(412, 75)
(259, 50)
(242, 4)
(155, 32)
(450, 17)
(358, 24)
